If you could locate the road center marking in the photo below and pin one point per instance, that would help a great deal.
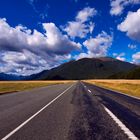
(130, 134)
(89, 90)
(24, 123)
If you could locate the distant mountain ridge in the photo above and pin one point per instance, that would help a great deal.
(9, 77)
(89, 68)
(86, 68)
(132, 74)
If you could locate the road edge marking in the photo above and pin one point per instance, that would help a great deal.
(125, 94)
(29, 119)
(126, 130)
(121, 125)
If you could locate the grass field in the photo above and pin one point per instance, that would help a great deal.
(131, 87)
(14, 86)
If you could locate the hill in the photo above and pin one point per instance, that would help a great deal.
(132, 74)
(86, 68)
(9, 77)
(12, 77)
(89, 68)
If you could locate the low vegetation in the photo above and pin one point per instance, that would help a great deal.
(131, 87)
(14, 86)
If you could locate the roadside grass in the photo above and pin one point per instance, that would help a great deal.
(15, 86)
(130, 87)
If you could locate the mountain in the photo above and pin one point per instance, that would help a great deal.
(9, 77)
(86, 68)
(89, 68)
(38, 76)
(132, 74)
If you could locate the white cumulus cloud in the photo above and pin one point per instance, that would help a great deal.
(25, 51)
(136, 58)
(120, 56)
(117, 6)
(98, 46)
(131, 25)
(85, 14)
(82, 25)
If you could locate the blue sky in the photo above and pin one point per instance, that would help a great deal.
(41, 34)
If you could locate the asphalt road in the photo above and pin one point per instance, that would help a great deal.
(74, 111)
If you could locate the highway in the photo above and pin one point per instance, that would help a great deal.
(72, 111)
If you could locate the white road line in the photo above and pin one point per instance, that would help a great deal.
(24, 123)
(86, 87)
(83, 84)
(89, 90)
(121, 125)
(130, 134)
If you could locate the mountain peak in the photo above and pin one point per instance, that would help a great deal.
(89, 68)
(86, 68)
(107, 59)
(100, 58)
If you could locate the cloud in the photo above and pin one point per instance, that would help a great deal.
(82, 24)
(85, 14)
(131, 25)
(132, 46)
(98, 46)
(57, 42)
(19, 38)
(23, 63)
(27, 63)
(78, 29)
(117, 6)
(136, 58)
(20, 45)
(119, 56)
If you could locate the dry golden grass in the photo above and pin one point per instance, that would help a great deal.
(14, 86)
(131, 87)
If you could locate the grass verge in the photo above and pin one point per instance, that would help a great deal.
(15, 86)
(130, 87)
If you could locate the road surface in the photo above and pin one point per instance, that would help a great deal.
(73, 111)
